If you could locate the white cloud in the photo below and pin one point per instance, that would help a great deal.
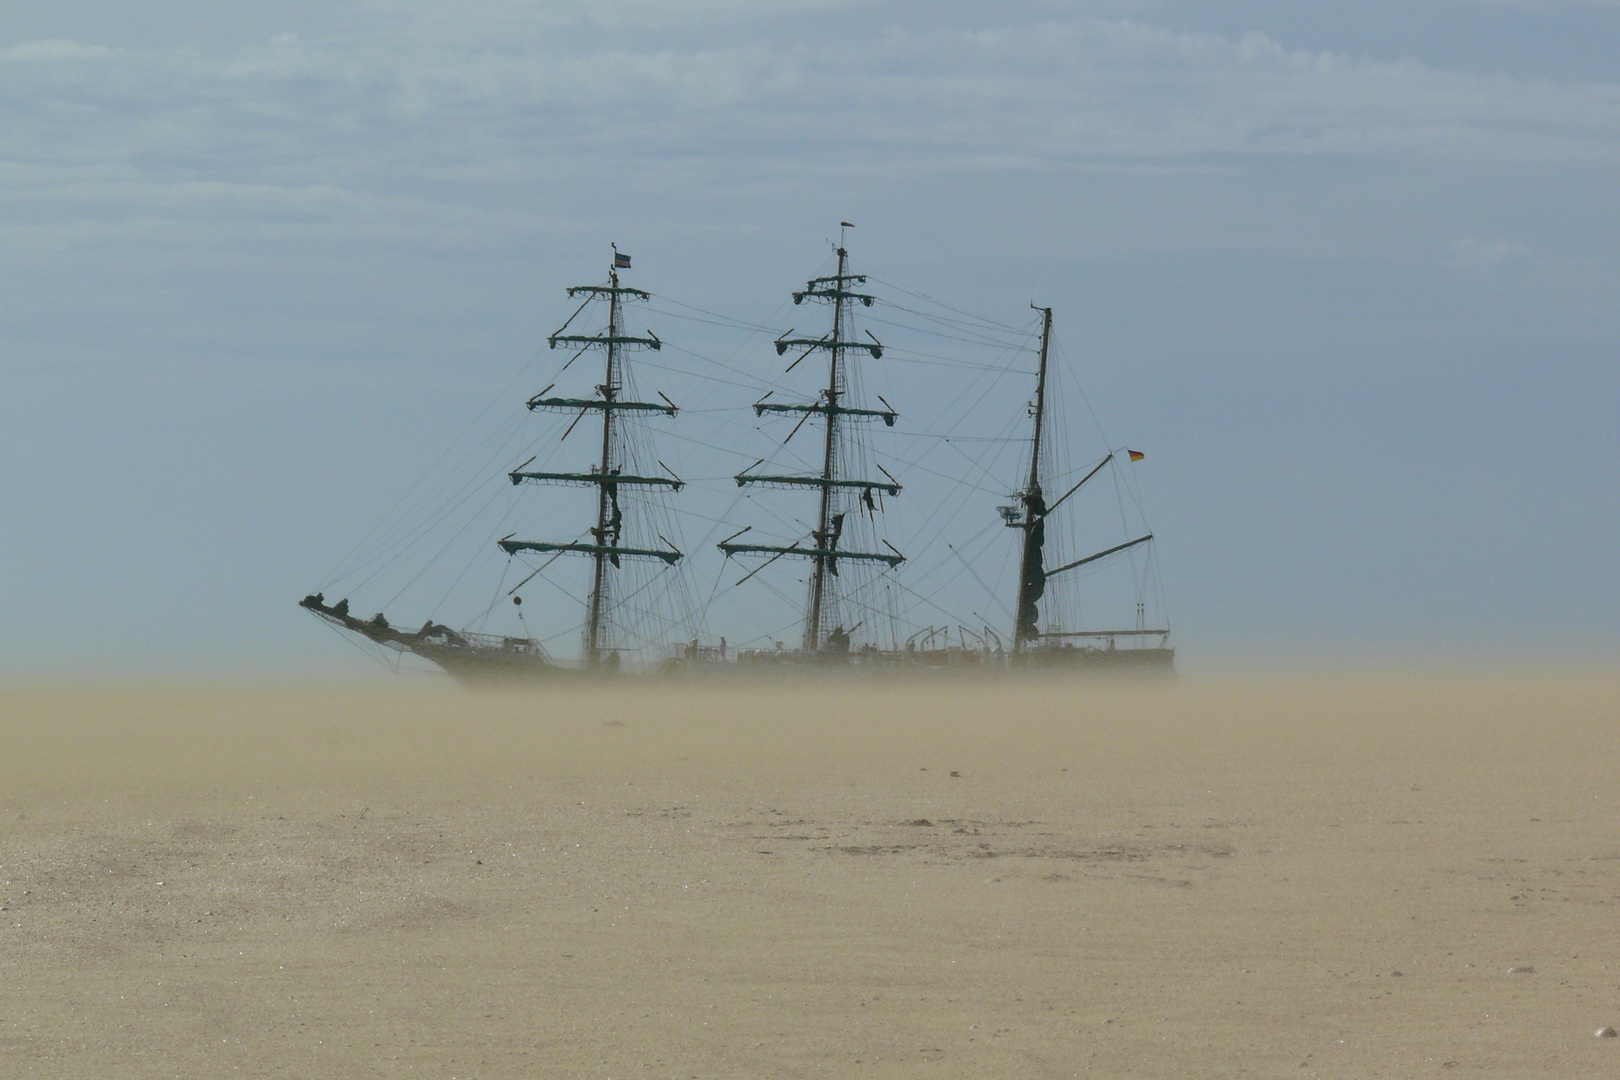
(1473, 253)
(53, 49)
(470, 17)
(1542, 5)
(446, 101)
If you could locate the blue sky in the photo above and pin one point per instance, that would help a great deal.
(1346, 272)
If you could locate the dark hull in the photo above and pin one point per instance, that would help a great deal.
(482, 660)
(477, 666)
(470, 659)
(1158, 660)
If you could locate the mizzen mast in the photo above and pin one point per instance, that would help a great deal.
(1031, 574)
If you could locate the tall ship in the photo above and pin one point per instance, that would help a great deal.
(618, 578)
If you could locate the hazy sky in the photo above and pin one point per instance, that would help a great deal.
(1347, 272)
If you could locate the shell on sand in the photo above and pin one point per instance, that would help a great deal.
(1606, 1032)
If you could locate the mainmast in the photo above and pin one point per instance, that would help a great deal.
(608, 476)
(835, 371)
(610, 393)
(824, 551)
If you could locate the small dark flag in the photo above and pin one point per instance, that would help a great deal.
(1136, 455)
(621, 261)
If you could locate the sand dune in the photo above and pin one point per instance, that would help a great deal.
(1338, 878)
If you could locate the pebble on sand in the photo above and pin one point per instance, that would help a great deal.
(1606, 1032)
(1524, 969)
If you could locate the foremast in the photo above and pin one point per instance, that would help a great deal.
(607, 476)
(833, 409)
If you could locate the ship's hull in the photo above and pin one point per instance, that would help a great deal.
(470, 659)
(475, 666)
(481, 661)
(1146, 660)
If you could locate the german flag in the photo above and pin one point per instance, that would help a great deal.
(1136, 455)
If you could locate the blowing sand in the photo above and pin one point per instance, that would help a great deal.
(1335, 878)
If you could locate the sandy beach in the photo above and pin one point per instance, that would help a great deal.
(1353, 877)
